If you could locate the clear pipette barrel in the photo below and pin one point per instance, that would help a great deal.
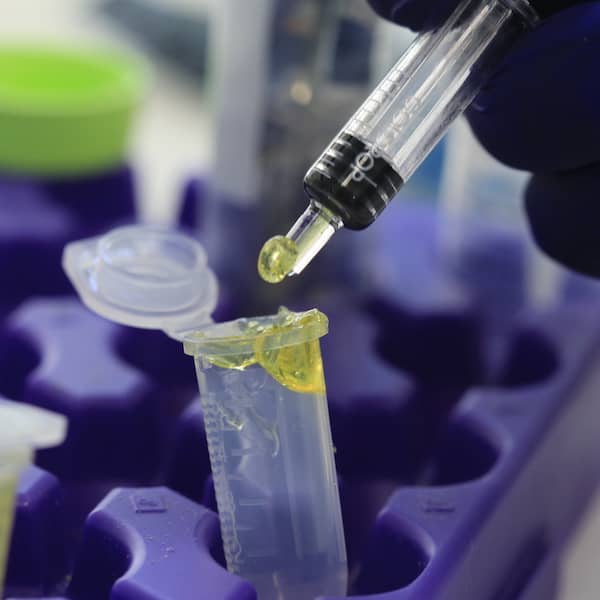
(267, 427)
(399, 124)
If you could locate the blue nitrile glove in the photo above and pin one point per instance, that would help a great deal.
(541, 112)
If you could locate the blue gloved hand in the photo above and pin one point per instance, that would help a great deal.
(541, 112)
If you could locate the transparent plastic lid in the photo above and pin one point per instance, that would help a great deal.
(24, 427)
(144, 276)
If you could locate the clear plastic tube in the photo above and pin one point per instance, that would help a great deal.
(398, 125)
(267, 425)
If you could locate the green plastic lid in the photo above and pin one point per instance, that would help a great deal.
(65, 110)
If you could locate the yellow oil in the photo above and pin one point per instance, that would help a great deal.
(298, 366)
(232, 361)
(277, 259)
(237, 355)
(7, 492)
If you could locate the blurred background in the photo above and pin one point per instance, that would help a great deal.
(244, 96)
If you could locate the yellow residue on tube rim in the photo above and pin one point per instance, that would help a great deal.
(286, 346)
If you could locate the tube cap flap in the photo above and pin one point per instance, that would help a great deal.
(144, 276)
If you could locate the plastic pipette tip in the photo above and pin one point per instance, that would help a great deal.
(285, 256)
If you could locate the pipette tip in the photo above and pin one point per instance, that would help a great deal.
(285, 256)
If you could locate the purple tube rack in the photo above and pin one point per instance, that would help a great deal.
(38, 217)
(446, 437)
(38, 558)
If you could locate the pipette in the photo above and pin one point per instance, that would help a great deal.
(395, 129)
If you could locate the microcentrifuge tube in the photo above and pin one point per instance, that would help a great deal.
(22, 429)
(267, 425)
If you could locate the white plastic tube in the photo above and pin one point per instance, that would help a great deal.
(23, 428)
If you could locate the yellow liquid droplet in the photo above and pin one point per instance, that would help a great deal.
(277, 259)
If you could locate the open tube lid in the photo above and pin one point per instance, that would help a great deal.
(144, 276)
(24, 428)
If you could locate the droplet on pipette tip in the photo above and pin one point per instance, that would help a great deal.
(277, 259)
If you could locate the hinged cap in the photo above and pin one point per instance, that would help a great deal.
(144, 276)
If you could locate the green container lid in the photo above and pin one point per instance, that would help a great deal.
(65, 111)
